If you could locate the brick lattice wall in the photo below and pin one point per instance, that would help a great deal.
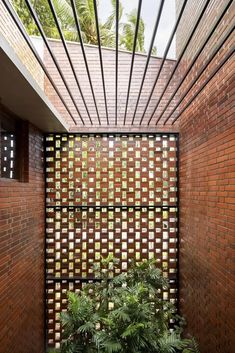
(207, 200)
(22, 256)
(107, 195)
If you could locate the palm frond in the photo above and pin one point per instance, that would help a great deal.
(171, 343)
(192, 347)
(137, 321)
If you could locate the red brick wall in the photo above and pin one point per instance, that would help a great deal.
(11, 33)
(193, 8)
(109, 73)
(207, 214)
(22, 257)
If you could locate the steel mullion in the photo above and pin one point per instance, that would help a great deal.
(177, 279)
(139, 133)
(112, 206)
(195, 58)
(100, 56)
(35, 53)
(73, 279)
(202, 71)
(68, 55)
(179, 59)
(133, 57)
(45, 248)
(116, 59)
(84, 56)
(227, 57)
(149, 55)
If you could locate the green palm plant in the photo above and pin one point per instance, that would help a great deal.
(128, 33)
(80, 324)
(86, 13)
(43, 11)
(123, 314)
(193, 347)
(85, 10)
(107, 32)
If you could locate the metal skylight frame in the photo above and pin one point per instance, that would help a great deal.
(116, 62)
(203, 69)
(174, 31)
(39, 26)
(164, 56)
(101, 59)
(75, 14)
(160, 8)
(23, 32)
(133, 57)
(208, 37)
(195, 27)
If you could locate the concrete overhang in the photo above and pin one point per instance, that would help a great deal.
(21, 94)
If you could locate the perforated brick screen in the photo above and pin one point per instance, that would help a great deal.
(8, 155)
(108, 194)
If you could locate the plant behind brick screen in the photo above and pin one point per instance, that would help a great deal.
(123, 314)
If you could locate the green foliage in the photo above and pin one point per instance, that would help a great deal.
(123, 314)
(85, 10)
(43, 11)
(192, 347)
(128, 33)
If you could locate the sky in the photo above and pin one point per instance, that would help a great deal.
(149, 15)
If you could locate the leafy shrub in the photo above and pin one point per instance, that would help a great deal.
(123, 314)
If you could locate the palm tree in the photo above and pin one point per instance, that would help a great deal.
(86, 13)
(128, 33)
(85, 10)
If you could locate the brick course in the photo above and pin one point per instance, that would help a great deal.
(207, 179)
(207, 210)
(10, 32)
(207, 191)
(22, 257)
(109, 73)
